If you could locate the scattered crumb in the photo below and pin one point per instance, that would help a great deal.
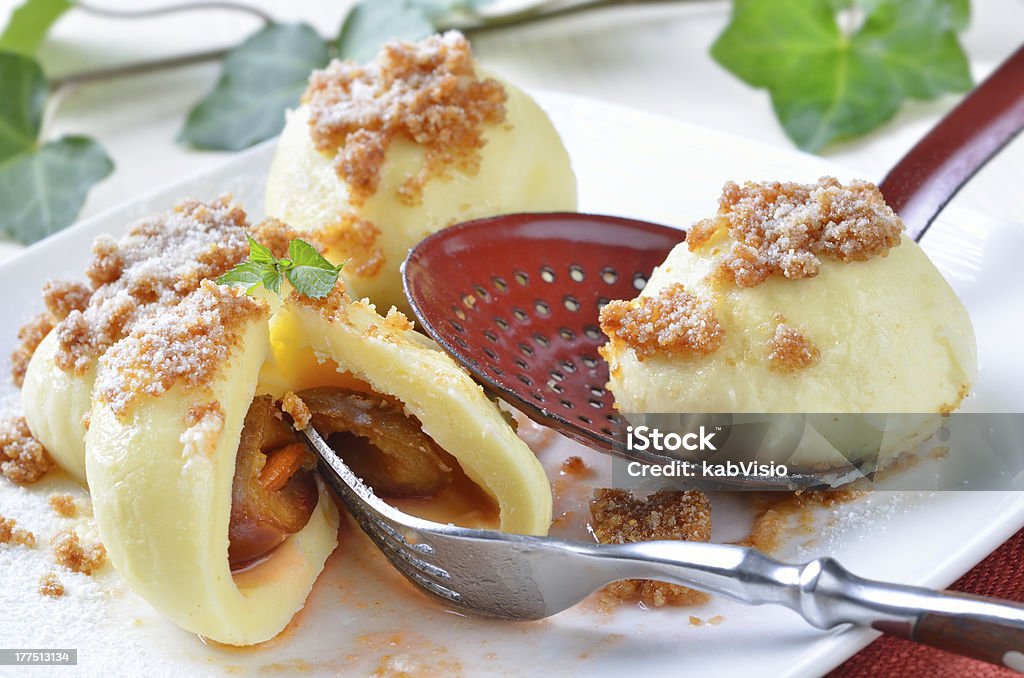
(674, 321)
(716, 620)
(782, 228)
(293, 405)
(939, 452)
(774, 512)
(50, 586)
(574, 466)
(10, 533)
(23, 459)
(427, 92)
(695, 621)
(790, 349)
(619, 518)
(30, 335)
(63, 505)
(69, 552)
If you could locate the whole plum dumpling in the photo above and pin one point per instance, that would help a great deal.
(796, 298)
(379, 156)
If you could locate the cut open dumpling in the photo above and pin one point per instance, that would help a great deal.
(346, 344)
(167, 418)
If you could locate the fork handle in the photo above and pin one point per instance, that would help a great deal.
(827, 596)
(973, 626)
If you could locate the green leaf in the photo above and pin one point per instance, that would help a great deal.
(826, 85)
(262, 77)
(21, 105)
(309, 273)
(41, 191)
(29, 23)
(371, 23)
(259, 253)
(247, 274)
(439, 8)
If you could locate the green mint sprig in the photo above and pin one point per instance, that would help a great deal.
(307, 271)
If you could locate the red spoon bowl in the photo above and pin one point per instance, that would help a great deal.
(518, 305)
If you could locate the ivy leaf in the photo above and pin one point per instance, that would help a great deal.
(262, 77)
(21, 106)
(309, 272)
(42, 186)
(29, 24)
(42, 190)
(439, 8)
(371, 23)
(827, 85)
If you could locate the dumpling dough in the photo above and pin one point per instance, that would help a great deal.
(55, 402)
(523, 167)
(453, 409)
(826, 309)
(160, 457)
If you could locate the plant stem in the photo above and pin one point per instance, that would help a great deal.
(481, 24)
(173, 9)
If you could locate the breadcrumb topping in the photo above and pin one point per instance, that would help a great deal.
(69, 551)
(783, 228)
(427, 92)
(30, 335)
(63, 505)
(357, 238)
(790, 350)
(50, 586)
(674, 322)
(296, 408)
(617, 517)
(23, 459)
(161, 260)
(10, 533)
(183, 344)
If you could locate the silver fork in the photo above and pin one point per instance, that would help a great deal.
(515, 577)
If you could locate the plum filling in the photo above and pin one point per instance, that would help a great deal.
(274, 490)
(379, 442)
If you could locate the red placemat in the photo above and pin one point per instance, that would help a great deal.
(1000, 575)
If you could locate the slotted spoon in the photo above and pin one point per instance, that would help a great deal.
(515, 298)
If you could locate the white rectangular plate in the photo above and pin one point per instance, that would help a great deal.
(361, 617)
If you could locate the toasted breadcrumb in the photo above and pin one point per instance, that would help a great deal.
(187, 344)
(61, 297)
(10, 533)
(790, 350)
(293, 405)
(783, 228)
(30, 335)
(159, 262)
(50, 586)
(672, 322)
(64, 505)
(23, 459)
(426, 92)
(357, 238)
(619, 518)
(69, 552)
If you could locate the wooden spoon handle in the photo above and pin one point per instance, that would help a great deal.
(934, 170)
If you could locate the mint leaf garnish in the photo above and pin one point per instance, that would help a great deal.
(262, 77)
(29, 23)
(42, 185)
(828, 84)
(308, 272)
